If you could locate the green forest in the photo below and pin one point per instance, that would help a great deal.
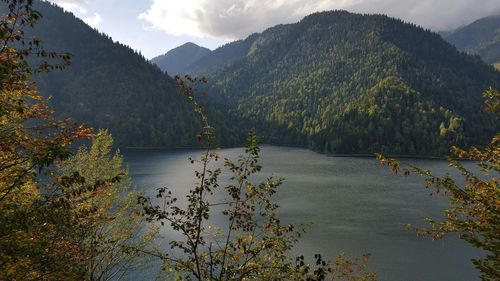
(317, 83)
(108, 85)
(321, 82)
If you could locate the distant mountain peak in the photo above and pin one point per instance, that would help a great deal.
(482, 37)
(177, 60)
(190, 44)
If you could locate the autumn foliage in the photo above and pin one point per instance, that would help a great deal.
(41, 211)
(253, 244)
(474, 212)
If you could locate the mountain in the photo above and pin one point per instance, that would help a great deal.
(348, 83)
(177, 60)
(108, 85)
(221, 57)
(481, 37)
(335, 81)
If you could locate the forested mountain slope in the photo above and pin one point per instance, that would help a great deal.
(177, 60)
(222, 56)
(108, 85)
(336, 82)
(350, 83)
(481, 37)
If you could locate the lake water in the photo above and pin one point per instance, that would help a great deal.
(357, 207)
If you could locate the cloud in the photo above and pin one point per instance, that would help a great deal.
(236, 19)
(79, 8)
(225, 18)
(93, 21)
(437, 15)
(75, 6)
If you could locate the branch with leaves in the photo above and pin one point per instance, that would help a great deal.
(255, 244)
(474, 212)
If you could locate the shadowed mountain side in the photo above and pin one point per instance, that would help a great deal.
(481, 37)
(108, 85)
(177, 60)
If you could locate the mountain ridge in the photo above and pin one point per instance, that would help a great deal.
(298, 83)
(177, 60)
(481, 37)
(336, 82)
(109, 85)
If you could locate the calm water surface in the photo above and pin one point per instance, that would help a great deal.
(357, 207)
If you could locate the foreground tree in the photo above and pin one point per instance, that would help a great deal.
(116, 237)
(45, 215)
(255, 244)
(475, 206)
(32, 221)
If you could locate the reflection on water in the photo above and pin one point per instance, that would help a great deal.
(356, 207)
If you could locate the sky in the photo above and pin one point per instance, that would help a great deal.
(156, 26)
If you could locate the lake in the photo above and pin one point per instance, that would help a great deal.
(356, 205)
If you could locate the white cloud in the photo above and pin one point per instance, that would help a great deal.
(93, 21)
(174, 17)
(78, 7)
(225, 18)
(75, 6)
(239, 18)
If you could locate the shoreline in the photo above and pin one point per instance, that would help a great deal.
(360, 155)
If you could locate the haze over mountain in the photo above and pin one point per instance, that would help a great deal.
(177, 60)
(482, 37)
(350, 83)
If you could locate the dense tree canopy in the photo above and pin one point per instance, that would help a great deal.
(108, 85)
(318, 83)
(323, 81)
